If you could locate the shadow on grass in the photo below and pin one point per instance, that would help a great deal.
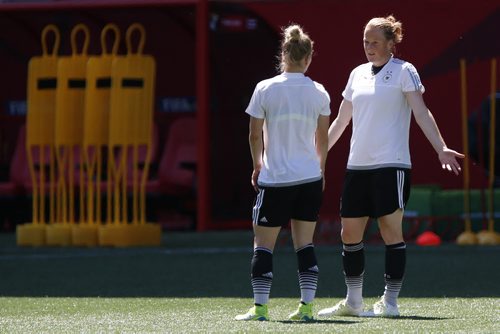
(315, 321)
(350, 322)
(417, 317)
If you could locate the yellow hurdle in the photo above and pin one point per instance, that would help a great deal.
(41, 100)
(70, 94)
(130, 129)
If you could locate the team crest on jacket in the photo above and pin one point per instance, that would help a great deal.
(387, 76)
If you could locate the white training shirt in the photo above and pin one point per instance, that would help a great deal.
(290, 103)
(381, 115)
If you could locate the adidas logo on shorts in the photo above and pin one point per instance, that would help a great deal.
(263, 220)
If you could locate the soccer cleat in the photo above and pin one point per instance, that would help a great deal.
(341, 309)
(303, 313)
(382, 309)
(255, 313)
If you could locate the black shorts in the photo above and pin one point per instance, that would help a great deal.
(374, 193)
(275, 206)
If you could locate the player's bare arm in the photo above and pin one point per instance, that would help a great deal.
(256, 147)
(322, 142)
(427, 123)
(340, 123)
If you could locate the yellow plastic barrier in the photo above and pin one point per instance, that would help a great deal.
(41, 97)
(131, 122)
(95, 136)
(70, 94)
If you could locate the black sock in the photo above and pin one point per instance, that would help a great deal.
(395, 263)
(353, 259)
(308, 272)
(262, 274)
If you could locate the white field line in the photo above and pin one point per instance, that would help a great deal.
(37, 254)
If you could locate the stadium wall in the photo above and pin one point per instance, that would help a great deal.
(243, 41)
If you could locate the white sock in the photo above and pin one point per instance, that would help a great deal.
(354, 291)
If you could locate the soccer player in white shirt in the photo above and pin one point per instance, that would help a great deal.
(289, 118)
(379, 98)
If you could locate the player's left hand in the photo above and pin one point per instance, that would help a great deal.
(448, 159)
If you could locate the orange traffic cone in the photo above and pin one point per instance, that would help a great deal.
(428, 238)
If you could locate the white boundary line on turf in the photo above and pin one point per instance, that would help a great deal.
(107, 252)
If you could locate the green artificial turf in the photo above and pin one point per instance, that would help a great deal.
(198, 282)
(215, 315)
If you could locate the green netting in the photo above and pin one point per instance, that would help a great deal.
(421, 201)
(450, 203)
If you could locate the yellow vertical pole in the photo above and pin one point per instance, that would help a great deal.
(42, 183)
(52, 190)
(491, 221)
(465, 145)
(489, 236)
(109, 193)
(467, 237)
(123, 180)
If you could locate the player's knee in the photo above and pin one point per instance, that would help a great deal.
(391, 236)
(351, 235)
